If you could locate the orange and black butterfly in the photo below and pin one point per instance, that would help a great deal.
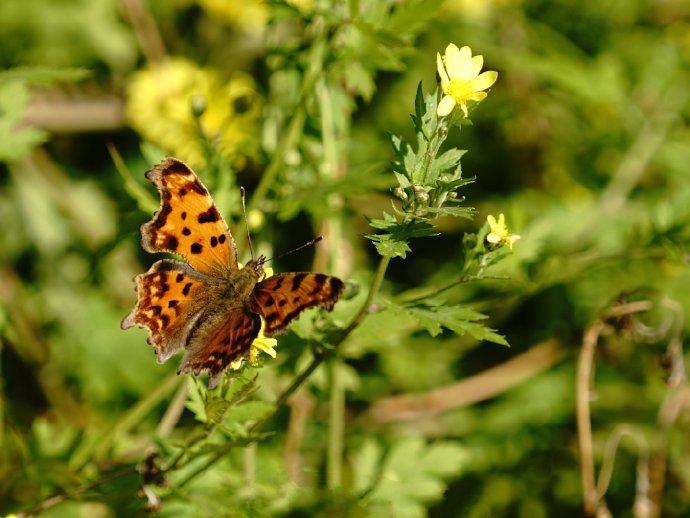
(207, 305)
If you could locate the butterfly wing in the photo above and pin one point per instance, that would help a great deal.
(188, 222)
(220, 340)
(170, 300)
(281, 298)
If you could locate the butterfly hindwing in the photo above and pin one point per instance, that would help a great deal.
(188, 222)
(281, 298)
(168, 298)
(218, 343)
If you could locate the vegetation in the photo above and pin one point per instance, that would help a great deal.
(510, 338)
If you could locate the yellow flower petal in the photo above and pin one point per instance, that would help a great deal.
(442, 72)
(477, 96)
(445, 106)
(475, 66)
(484, 80)
(453, 61)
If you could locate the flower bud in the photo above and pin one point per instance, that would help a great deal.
(399, 192)
(198, 105)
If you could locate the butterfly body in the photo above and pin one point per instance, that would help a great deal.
(207, 305)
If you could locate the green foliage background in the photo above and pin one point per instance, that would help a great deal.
(410, 405)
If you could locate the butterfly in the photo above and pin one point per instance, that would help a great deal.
(206, 304)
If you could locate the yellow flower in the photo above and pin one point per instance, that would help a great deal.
(499, 232)
(460, 79)
(159, 108)
(261, 343)
(249, 15)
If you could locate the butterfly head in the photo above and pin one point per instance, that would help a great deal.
(258, 266)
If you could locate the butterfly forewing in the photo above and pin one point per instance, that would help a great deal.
(281, 298)
(167, 303)
(188, 222)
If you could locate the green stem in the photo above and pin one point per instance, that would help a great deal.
(336, 428)
(294, 130)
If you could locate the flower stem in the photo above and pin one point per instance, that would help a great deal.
(336, 427)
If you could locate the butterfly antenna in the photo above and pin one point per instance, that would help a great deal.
(246, 222)
(305, 245)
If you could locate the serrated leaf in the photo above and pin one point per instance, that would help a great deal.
(418, 108)
(414, 473)
(458, 212)
(395, 242)
(196, 399)
(459, 319)
(388, 247)
(15, 141)
(249, 411)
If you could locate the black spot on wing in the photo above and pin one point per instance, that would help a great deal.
(210, 216)
(269, 302)
(221, 239)
(179, 278)
(175, 166)
(336, 285)
(197, 187)
(320, 280)
(183, 215)
(186, 231)
(196, 248)
(187, 287)
(162, 216)
(297, 281)
(214, 242)
(171, 243)
(172, 303)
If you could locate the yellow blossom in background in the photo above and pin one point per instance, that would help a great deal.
(159, 108)
(499, 234)
(261, 343)
(460, 79)
(476, 9)
(249, 15)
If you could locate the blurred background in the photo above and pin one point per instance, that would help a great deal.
(583, 143)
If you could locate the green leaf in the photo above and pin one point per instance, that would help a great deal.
(460, 319)
(395, 242)
(389, 247)
(196, 396)
(15, 141)
(249, 411)
(413, 475)
(417, 118)
(458, 212)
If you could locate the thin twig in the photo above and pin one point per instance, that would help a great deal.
(485, 385)
(583, 390)
(146, 31)
(300, 407)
